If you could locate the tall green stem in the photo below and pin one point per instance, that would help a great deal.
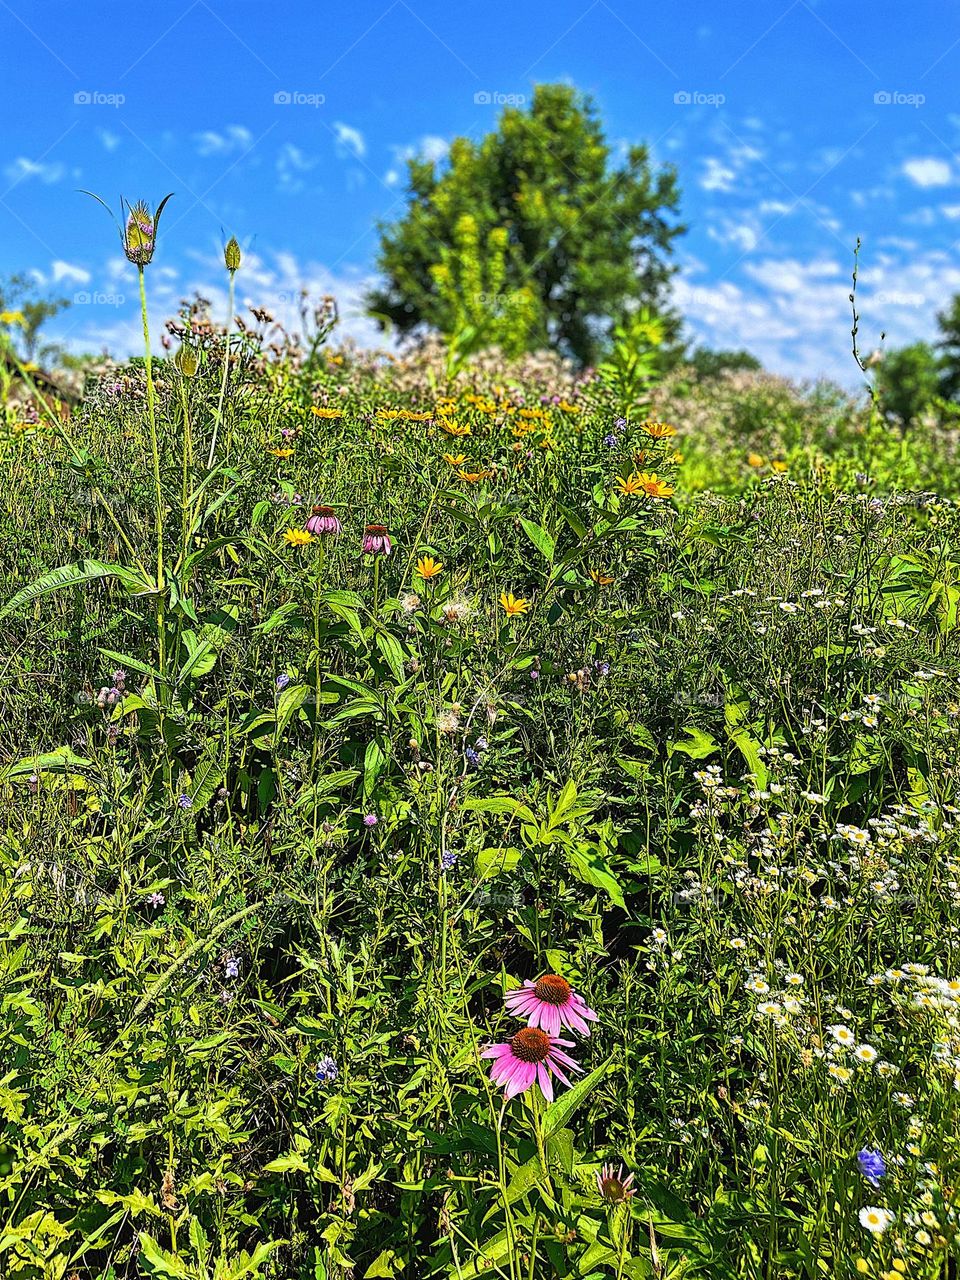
(226, 372)
(157, 483)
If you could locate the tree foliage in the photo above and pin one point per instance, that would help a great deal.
(573, 242)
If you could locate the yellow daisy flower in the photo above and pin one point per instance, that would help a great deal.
(427, 567)
(297, 537)
(512, 605)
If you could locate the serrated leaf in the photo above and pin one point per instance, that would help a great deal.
(565, 1107)
(75, 575)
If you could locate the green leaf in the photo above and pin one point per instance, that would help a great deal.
(697, 745)
(499, 804)
(493, 862)
(591, 869)
(393, 653)
(289, 703)
(565, 1107)
(293, 1163)
(75, 575)
(161, 1262)
(62, 760)
(540, 539)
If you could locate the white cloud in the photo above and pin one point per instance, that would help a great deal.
(718, 176)
(22, 168)
(292, 164)
(110, 140)
(350, 141)
(234, 139)
(927, 172)
(67, 271)
(430, 147)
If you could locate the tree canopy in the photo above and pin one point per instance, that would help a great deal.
(532, 236)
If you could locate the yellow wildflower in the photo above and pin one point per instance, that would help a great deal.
(281, 453)
(512, 604)
(326, 413)
(427, 567)
(297, 537)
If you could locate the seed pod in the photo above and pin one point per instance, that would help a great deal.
(186, 360)
(231, 254)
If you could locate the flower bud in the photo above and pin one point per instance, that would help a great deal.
(186, 360)
(231, 254)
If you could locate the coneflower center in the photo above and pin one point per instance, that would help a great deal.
(322, 511)
(531, 1045)
(376, 528)
(552, 989)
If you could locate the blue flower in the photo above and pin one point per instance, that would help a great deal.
(472, 757)
(872, 1165)
(185, 801)
(232, 967)
(326, 1070)
(449, 860)
(282, 681)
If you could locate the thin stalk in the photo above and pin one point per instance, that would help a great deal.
(226, 371)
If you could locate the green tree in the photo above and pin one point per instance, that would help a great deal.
(587, 241)
(948, 322)
(908, 380)
(20, 295)
(706, 363)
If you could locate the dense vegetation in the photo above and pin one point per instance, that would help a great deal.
(346, 694)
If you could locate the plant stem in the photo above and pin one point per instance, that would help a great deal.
(226, 371)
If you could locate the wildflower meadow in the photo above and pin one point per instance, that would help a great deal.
(470, 817)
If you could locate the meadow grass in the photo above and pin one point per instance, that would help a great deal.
(285, 820)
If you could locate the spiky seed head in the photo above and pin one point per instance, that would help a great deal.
(186, 360)
(231, 254)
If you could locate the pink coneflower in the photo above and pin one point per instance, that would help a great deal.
(324, 520)
(550, 1003)
(615, 1184)
(376, 540)
(529, 1056)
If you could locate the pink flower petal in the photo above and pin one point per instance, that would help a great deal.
(543, 1079)
(522, 1080)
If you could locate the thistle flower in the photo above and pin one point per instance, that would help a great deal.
(138, 235)
(615, 1184)
(529, 1057)
(550, 1003)
(231, 255)
(376, 540)
(324, 520)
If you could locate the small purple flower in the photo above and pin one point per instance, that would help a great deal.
(610, 441)
(185, 801)
(370, 820)
(619, 424)
(232, 967)
(156, 899)
(603, 668)
(482, 744)
(119, 679)
(872, 1165)
(449, 860)
(33, 784)
(282, 681)
(326, 1070)
(472, 757)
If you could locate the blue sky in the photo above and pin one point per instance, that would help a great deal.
(796, 126)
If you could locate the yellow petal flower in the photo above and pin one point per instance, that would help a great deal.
(297, 537)
(512, 605)
(427, 567)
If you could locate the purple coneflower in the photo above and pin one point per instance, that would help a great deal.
(324, 520)
(376, 540)
(550, 1003)
(529, 1057)
(615, 1184)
